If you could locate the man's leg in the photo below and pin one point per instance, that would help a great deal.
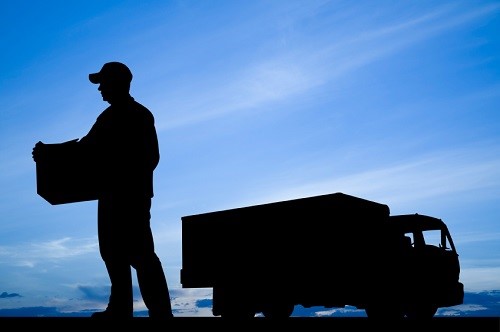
(153, 286)
(150, 274)
(113, 237)
(121, 297)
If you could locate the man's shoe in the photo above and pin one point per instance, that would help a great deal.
(111, 315)
(161, 315)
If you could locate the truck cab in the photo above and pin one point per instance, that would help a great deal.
(429, 265)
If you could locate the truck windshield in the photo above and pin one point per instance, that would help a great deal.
(435, 237)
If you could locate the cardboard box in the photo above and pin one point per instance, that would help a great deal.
(64, 174)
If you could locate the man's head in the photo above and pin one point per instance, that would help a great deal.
(114, 80)
(115, 72)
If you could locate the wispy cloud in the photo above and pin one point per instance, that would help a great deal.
(429, 176)
(31, 254)
(480, 278)
(8, 295)
(287, 74)
(254, 86)
(477, 237)
(361, 48)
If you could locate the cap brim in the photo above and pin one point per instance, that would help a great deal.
(95, 78)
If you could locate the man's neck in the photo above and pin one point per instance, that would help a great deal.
(120, 100)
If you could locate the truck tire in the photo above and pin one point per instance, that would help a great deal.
(237, 314)
(384, 312)
(421, 312)
(230, 303)
(278, 310)
(237, 309)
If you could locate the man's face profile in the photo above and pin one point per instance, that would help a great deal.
(112, 90)
(106, 89)
(114, 81)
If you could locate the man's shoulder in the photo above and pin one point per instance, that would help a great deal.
(140, 106)
(104, 113)
(143, 110)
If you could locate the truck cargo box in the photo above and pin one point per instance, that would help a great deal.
(280, 238)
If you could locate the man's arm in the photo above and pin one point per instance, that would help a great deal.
(40, 150)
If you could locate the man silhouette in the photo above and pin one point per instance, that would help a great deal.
(123, 140)
(124, 145)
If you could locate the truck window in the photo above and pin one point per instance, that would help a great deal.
(436, 238)
(417, 239)
(409, 240)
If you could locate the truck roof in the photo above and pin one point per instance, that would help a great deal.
(412, 222)
(338, 202)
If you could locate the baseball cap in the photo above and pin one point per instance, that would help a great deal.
(115, 71)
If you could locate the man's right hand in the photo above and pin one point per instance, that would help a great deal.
(37, 151)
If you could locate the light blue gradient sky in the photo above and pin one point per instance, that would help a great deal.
(255, 101)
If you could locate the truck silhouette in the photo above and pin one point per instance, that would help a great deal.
(331, 250)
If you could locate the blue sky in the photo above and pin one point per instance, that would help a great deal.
(255, 102)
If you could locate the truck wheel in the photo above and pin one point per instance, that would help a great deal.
(230, 304)
(237, 314)
(278, 311)
(421, 313)
(380, 312)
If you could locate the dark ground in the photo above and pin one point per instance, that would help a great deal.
(309, 324)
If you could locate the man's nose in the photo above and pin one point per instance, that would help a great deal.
(99, 88)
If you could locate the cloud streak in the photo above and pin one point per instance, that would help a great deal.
(441, 173)
(29, 255)
(294, 71)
